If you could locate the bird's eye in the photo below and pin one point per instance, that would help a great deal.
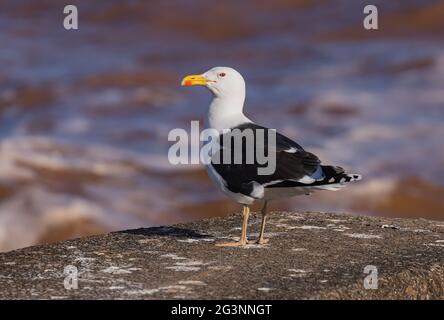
(222, 74)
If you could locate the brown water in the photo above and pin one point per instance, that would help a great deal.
(85, 115)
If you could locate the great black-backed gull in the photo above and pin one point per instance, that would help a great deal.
(297, 171)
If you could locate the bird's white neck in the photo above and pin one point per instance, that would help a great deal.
(226, 112)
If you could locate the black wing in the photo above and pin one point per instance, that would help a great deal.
(292, 162)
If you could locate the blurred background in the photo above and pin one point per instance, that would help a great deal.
(85, 115)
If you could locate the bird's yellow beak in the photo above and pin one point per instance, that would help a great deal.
(194, 80)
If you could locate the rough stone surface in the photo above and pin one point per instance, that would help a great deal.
(310, 256)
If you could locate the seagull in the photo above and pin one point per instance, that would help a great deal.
(297, 172)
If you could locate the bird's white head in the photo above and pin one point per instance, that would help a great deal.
(223, 82)
(228, 88)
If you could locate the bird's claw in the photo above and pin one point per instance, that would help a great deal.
(232, 244)
(259, 241)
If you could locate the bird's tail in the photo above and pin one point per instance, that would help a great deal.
(336, 178)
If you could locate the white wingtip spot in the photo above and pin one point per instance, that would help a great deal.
(306, 180)
(355, 177)
(291, 150)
